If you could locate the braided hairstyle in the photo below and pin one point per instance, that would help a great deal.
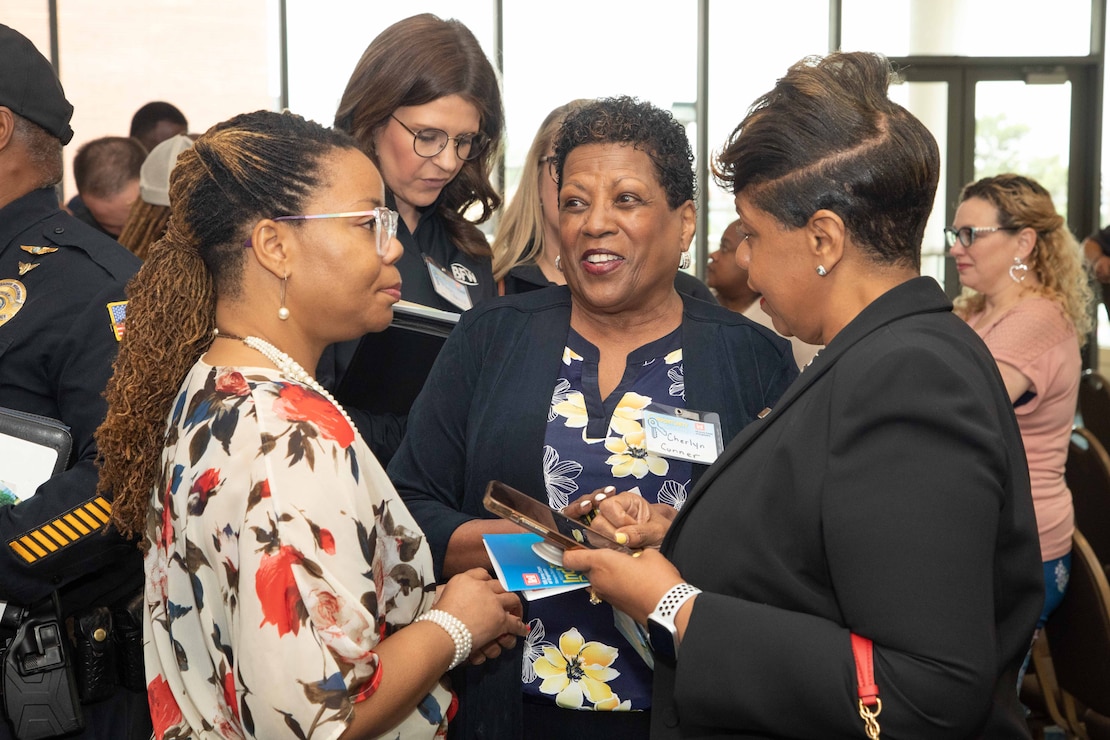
(145, 225)
(253, 166)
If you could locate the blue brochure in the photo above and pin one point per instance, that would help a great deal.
(523, 562)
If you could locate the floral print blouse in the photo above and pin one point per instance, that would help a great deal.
(279, 556)
(574, 655)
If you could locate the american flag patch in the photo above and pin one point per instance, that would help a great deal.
(117, 312)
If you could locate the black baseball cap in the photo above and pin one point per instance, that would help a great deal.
(29, 86)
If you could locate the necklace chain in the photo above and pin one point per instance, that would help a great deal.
(289, 367)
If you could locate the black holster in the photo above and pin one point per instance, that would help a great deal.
(40, 693)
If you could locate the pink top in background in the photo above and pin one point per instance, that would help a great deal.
(1036, 337)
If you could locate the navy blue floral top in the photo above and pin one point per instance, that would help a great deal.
(574, 655)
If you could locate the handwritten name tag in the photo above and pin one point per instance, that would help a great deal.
(672, 436)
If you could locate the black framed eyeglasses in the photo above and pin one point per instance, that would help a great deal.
(550, 162)
(384, 224)
(428, 142)
(968, 234)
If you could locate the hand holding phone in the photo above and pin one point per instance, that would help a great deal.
(551, 524)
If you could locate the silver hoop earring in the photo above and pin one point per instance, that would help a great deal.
(822, 271)
(1018, 270)
(684, 262)
(283, 312)
(558, 263)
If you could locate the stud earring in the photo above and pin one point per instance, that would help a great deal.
(283, 312)
(1018, 270)
(558, 263)
(684, 262)
(822, 271)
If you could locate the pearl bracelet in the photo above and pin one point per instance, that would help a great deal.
(453, 626)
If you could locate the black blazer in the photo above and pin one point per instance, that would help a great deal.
(887, 494)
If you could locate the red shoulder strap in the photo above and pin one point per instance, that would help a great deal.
(869, 703)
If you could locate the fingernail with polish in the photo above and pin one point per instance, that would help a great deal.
(621, 538)
(610, 489)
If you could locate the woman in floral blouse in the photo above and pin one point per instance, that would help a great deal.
(281, 564)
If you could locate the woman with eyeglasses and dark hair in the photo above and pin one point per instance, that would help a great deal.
(1026, 294)
(289, 591)
(424, 104)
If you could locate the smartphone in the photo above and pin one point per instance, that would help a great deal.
(551, 524)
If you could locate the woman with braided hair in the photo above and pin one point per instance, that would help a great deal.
(288, 588)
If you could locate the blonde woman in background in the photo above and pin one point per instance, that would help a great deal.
(1026, 294)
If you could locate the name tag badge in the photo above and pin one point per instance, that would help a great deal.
(448, 287)
(683, 434)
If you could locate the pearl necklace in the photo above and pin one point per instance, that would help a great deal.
(288, 367)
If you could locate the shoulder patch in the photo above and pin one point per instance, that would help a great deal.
(76, 524)
(117, 312)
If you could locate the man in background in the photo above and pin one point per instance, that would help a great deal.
(62, 307)
(106, 171)
(729, 281)
(155, 122)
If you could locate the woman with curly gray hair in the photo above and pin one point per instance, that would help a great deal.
(551, 391)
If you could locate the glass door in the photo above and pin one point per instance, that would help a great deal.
(1025, 128)
(929, 102)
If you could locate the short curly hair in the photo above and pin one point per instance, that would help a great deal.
(626, 120)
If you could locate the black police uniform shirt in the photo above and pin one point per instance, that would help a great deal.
(432, 239)
(62, 304)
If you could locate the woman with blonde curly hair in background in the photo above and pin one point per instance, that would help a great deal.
(1026, 294)
(289, 592)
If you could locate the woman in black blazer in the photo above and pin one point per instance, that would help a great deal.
(885, 496)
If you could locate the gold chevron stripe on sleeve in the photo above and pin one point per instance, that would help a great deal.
(71, 527)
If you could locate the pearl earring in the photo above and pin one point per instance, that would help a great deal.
(822, 271)
(283, 312)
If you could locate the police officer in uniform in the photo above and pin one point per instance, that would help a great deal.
(62, 306)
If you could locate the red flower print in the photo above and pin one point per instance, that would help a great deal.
(277, 590)
(206, 483)
(232, 383)
(297, 403)
(167, 521)
(327, 607)
(164, 712)
(229, 694)
(324, 539)
(204, 487)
